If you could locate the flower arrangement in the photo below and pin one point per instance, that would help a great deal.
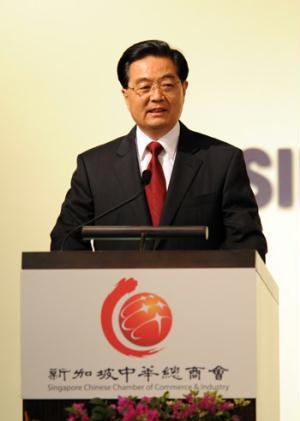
(210, 407)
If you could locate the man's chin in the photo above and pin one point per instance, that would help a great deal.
(158, 122)
(156, 130)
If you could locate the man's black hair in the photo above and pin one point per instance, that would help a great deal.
(150, 48)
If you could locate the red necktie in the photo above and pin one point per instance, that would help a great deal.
(156, 189)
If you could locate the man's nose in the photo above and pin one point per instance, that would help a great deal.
(156, 93)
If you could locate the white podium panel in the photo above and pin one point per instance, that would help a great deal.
(141, 331)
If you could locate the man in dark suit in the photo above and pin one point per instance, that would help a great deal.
(196, 180)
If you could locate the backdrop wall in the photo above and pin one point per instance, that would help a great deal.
(59, 95)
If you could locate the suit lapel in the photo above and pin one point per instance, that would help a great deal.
(186, 166)
(128, 173)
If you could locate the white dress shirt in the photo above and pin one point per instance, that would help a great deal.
(166, 158)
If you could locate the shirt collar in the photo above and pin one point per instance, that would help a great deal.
(169, 141)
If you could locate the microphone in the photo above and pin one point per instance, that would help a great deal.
(146, 178)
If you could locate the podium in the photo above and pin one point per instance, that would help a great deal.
(104, 324)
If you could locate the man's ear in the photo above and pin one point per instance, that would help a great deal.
(185, 85)
(125, 96)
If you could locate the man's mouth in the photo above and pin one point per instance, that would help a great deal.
(157, 111)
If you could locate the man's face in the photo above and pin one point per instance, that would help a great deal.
(157, 97)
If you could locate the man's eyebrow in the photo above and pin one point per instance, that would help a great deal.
(142, 79)
(166, 76)
(169, 75)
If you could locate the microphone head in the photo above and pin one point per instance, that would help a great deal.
(146, 177)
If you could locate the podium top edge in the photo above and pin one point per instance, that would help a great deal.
(136, 259)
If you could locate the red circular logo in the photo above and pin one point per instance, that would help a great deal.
(145, 319)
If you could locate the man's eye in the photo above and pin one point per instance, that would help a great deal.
(167, 85)
(144, 88)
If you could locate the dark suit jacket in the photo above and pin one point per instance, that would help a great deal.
(209, 186)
